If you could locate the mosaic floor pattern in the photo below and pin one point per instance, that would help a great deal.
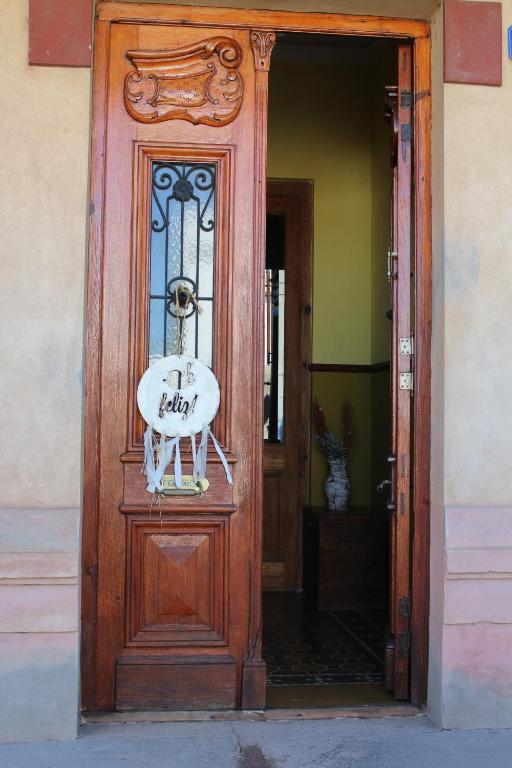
(303, 646)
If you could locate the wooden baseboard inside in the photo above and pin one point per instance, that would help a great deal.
(273, 576)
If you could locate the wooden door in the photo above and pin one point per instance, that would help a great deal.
(287, 385)
(400, 102)
(172, 585)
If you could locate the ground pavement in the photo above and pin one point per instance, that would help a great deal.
(338, 743)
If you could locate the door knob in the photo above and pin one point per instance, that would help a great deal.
(382, 485)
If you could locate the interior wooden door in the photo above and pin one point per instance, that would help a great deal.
(172, 584)
(400, 110)
(287, 384)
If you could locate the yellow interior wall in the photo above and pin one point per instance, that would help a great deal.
(322, 127)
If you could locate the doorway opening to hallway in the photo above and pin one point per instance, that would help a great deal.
(245, 586)
(329, 533)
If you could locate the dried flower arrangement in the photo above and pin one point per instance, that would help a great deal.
(332, 448)
(337, 484)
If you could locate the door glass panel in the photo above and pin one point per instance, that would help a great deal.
(182, 260)
(273, 406)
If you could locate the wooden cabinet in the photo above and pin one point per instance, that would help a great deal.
(345, 558)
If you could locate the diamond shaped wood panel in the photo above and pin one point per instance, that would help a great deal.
(176, 588)
(177, 582)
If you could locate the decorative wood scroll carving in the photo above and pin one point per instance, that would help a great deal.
(262, 45)
(199, 83)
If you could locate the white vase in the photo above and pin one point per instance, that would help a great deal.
(337, 485)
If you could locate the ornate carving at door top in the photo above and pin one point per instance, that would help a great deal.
(262, 45)
(199, 83)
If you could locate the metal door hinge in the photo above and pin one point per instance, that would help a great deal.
(406, 132)
(406, 99)
(404, 606)
(391, 271)
(406, 346)
(406, 381)
(403, 642)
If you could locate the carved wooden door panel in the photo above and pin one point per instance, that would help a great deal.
(172, 585)
(400, 102)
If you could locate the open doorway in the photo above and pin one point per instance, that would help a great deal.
(172, 603)
(327, 574)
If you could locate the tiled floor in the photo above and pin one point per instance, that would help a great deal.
(303, 646)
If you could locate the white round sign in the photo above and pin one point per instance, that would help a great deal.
(178, 396)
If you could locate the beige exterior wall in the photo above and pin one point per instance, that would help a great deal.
(43, 166)
(43, 162)
(471, 627)
(437, 539)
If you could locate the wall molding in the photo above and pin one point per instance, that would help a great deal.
(30, 568)
(39, 531)
(348, 367)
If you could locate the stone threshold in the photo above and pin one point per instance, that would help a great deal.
(333, 713)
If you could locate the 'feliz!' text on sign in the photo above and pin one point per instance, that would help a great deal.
(176, 403)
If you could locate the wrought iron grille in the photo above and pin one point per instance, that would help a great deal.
(182, 260)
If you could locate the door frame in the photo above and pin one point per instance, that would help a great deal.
(418, 33)
(295, 199)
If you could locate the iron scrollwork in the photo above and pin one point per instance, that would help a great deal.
(183, 208)
(182, 181)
